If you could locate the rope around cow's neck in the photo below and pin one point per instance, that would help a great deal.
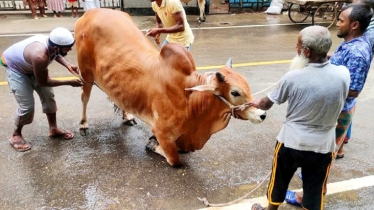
(238, 107)
(206, 202)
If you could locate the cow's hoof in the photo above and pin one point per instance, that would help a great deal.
(83, 131)
(176, 164)
(152, 145)
(201, 20)
(153, 138)
(131, 122)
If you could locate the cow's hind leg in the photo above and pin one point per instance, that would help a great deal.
(128, 118)
(85, 97)
(165, 148)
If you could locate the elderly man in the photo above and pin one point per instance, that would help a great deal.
(171, 19)
(354, 53)
(315, 91)
(26, 64)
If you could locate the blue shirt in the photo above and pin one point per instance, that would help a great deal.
(356, 55)
(369, 33)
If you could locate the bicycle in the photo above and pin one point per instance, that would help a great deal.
(323, 12)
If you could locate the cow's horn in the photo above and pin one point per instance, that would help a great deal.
(229, 63)
(202, 88)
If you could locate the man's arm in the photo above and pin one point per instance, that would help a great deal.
(358, 70)
(39, 59)
(353, 93)
(72, 68)
(178, 27)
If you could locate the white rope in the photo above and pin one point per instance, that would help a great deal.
(266, 88)
(206, 202)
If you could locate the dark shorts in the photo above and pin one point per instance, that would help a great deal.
(314, 167)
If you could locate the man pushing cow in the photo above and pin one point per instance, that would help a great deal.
(26, 64)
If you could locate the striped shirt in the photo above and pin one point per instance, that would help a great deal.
(56, 5)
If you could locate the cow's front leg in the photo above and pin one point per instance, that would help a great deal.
(128, 118)
(167, 149)
(201, 4)
(85, 97)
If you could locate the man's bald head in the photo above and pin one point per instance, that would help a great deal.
(317, 39)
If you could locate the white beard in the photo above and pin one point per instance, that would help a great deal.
(299, 61)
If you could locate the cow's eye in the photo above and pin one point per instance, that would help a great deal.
(235, 93)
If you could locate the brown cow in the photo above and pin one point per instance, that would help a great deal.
(161, 88)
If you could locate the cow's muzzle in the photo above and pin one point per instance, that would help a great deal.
(238, 108)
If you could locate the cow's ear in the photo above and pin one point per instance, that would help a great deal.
(203, 88)
(220, 77)
(229, 63)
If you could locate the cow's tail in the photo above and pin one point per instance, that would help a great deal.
(128, 118)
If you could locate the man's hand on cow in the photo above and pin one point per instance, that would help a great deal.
(153, 32)
(255, 103)
(74, 70)
(76, 83)
(157, 39)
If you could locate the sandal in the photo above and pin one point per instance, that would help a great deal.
(66, 135)
(339, 156)
(20, 146)
(257, 206)
(291, 198)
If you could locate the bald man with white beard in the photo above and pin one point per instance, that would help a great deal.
(316, 91)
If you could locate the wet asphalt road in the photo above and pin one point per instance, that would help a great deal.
(110, 168)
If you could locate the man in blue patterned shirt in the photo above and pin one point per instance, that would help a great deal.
(369, 33)
(355, 53)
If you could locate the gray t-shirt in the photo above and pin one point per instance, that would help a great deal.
(316, 95)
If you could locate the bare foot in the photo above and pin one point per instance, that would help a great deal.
(299, 196)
